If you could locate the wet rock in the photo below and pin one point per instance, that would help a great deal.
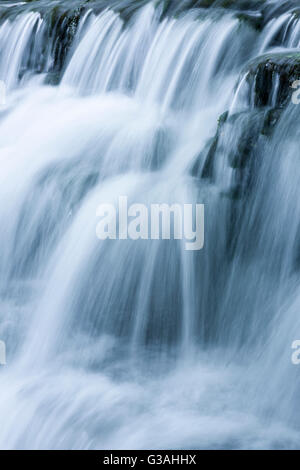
(62, 29)
(242, 5)
(245, 129)
(223, 118)
(52, 78)
(205, 170)
(272, 116)
(208, 168)
(271, 76)
(234, 193)
(239, 137)
(249, 7)
(255, 20)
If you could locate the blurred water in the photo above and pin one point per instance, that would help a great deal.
(141, 344)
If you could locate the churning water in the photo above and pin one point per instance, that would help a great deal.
(142, 344)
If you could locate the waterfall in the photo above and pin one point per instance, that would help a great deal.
(141, 343)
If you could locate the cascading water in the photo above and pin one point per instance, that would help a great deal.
(142, 344)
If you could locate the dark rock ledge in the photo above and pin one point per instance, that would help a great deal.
(241, 135)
